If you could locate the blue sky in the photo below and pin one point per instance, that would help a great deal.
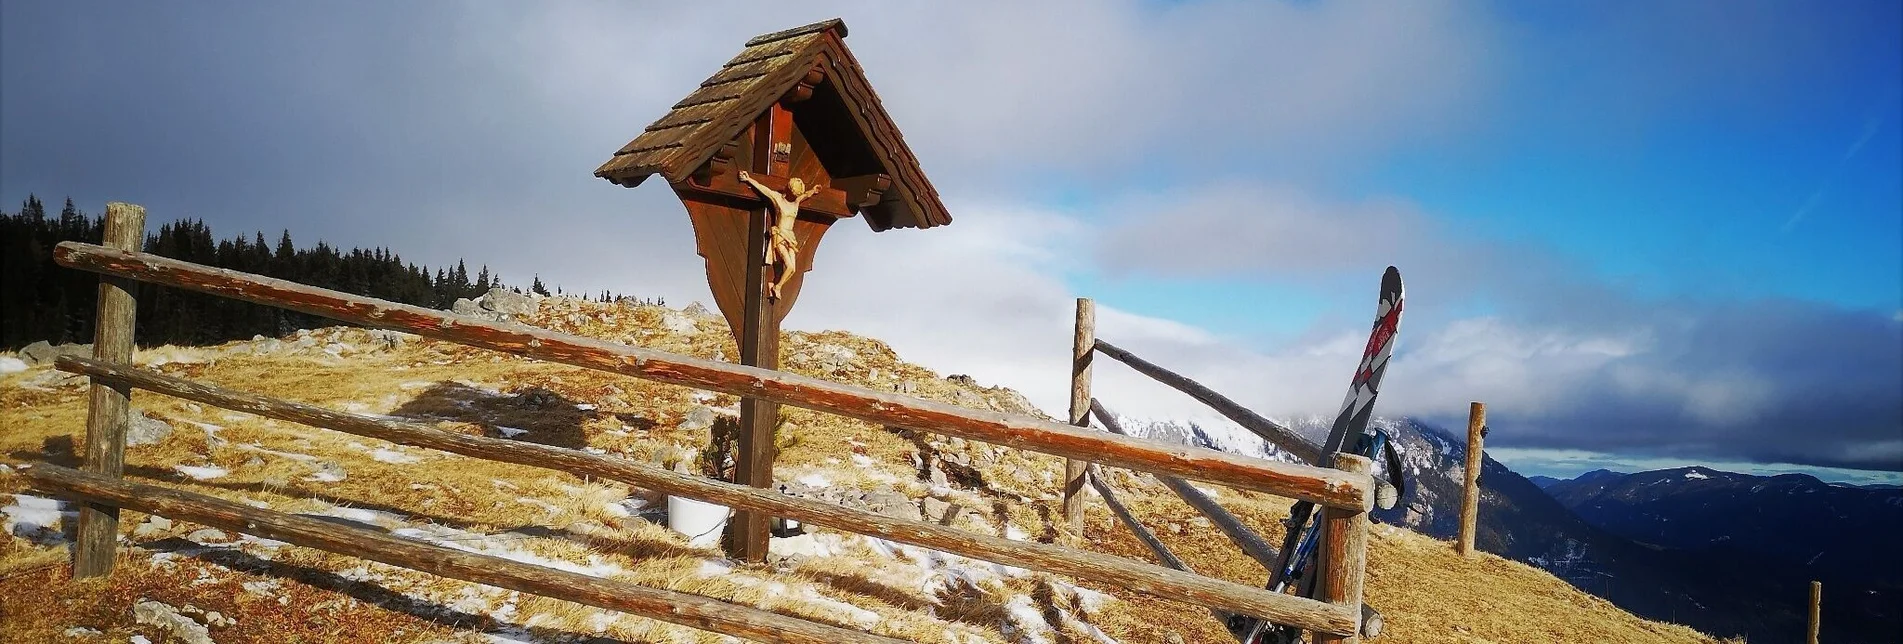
(1663, 231)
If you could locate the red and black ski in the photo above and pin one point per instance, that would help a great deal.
(1351, 424)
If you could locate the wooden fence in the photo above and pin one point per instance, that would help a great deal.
(1348, 494)
(1342, 559)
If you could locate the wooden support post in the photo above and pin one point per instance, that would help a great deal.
(747, 533)
(1470, 497)
(1344, 551)
(1080, 353)
(111, 409)
(1816, 604)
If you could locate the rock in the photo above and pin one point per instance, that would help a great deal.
(164, 616)
(1173, 638)
(153, 525)
(679, 323)
(43, 353)
(37, 352)
(146, 430)
(465, 306)
(218, 620)
(699, 418)
(203, 535)
(933, 509)
(892, 504)
(507, 302)
(696, 310)
(390, 339)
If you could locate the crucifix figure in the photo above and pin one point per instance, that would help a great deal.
(782, 248)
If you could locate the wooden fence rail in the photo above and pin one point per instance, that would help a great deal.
(1269, 430)
(666, 605)
(1085, 565)
(1321, 485)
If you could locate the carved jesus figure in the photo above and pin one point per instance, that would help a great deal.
(782, 248)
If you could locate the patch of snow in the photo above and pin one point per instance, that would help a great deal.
(861, 460)
(585, 407)
(388, 455)
(712, 568)
(860, 617)
(1696, 475)
(814, 480)
(30, 515)
(544, 505)
(138, 639)
(201, 472)
(12, 365)
(1027, 619)
(327, 476)
(511, 432)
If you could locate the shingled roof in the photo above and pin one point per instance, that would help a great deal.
(678, 143)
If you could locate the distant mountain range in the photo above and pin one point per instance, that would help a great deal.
(1834, 533)
(1630, 538)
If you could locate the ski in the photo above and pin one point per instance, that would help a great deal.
(1346, 434)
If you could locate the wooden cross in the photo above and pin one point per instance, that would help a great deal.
(793, 104)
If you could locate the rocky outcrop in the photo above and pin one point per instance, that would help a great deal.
(43, 352)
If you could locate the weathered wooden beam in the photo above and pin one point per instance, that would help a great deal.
(831, 202)
(1083, 565)
(666, 605)
(1080, 355)
(1269, 430)
(1343, 558)
(1470, 491)
(110, 409)
(1251, 543)
(1322, 485)
(863, 191)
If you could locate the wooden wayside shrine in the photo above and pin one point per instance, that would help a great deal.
(791, 114)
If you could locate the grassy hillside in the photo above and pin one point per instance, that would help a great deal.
(267, 591)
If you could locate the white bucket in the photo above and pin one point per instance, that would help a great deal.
(702, 522)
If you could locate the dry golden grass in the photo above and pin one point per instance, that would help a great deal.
(1428, 594)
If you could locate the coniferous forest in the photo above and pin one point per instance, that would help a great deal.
(40, 300)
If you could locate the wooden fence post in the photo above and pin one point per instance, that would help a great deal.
(1816, 601)
(1081, 350)
(1344, 555)
(110, 411)
(1470, 497)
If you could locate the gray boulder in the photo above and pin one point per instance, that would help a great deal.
(507, 302)
(146, 430)
(701, 417)
(43, 352)
(465, 306)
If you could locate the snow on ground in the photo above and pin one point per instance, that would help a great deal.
(201, 472)
(12, 365)
(511, 432)
(387, 455)
(1696, 475)
(35, 517)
